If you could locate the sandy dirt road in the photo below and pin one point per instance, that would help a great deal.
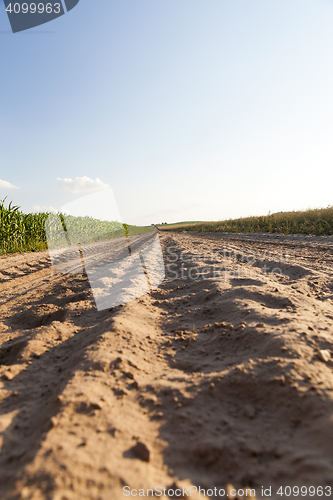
(222, 375)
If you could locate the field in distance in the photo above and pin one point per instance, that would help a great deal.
(175, 226)
(317, 221)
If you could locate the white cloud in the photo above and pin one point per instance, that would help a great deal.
(38, 208)
(82, 184)
(7, 185)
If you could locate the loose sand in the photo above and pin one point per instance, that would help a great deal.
(220, 376)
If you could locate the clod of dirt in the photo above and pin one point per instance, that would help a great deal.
(249, 411)
(115, 362)
(324, 355)
(88, 407)
(141, 451)
(10, 352)
(119, 392)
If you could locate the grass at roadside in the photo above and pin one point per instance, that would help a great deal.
(315, 221)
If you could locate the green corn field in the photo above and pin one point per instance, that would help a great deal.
(20, 232)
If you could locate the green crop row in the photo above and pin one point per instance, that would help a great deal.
(20, 232)
(315, 221)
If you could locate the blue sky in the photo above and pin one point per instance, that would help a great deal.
(189, 110)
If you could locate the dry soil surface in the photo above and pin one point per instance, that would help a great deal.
(221, 376)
